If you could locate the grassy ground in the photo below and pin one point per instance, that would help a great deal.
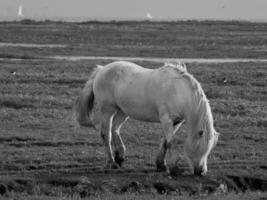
(38, 135)
(44, 153)
(231, 196)
(145, 39)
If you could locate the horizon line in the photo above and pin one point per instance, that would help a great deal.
(109, 19)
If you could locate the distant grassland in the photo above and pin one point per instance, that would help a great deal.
(208, 39)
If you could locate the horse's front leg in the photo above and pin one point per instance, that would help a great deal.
(106, 134)
(161, 161)
(168, 129)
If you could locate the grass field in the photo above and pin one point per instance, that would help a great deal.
(44, 154)
(193, 39)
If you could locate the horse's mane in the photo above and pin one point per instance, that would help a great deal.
(179, 66)
(201, 110)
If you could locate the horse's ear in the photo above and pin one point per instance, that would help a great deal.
(201, 133)
(184, 66)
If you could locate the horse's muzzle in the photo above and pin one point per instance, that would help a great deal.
(199, 171)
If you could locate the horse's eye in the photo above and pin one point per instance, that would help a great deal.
(200, 133)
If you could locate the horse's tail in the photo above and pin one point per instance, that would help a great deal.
(85, 101)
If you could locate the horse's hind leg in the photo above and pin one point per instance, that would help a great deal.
(168, 129)
(107, 114)
(118, 120)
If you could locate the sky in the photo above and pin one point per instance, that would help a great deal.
(135, 9)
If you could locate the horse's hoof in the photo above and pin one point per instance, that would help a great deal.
(112, 165)
(119, 159)
(176, 171)
(162, 167)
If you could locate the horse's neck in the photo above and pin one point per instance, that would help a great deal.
(192, 122)
(198, 117)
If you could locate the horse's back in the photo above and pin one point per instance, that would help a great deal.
(140, 92)
(119, 70)
(116, 76)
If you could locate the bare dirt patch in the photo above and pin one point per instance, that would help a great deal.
(87, 182)
(29, 45)
(160, 60)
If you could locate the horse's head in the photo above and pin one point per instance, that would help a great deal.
(197, 148)
(202, 135)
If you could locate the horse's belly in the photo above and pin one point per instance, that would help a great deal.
(133, 101)
(141, 113)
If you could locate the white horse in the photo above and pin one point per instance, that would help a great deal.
(168, 95)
